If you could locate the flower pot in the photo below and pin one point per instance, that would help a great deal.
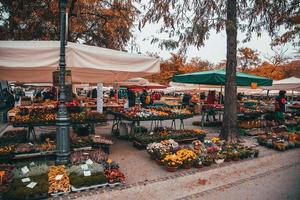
(207, 163)
(219, 161)
(171, 169)
(198, 166)
(153, 157)
(159, 162)
(256, 153)
(187, 166)
(236, 158)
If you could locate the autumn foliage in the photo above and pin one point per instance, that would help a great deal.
(277, 72)
(101, 23)
(178, 64)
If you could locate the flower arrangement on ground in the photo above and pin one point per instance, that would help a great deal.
(159, 150)
(188, 157)
(220, 158)
(172, 162)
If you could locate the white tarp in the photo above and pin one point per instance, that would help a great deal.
(34, 61)
(291, 83)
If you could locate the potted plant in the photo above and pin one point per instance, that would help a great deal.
(220, 158)
(235, 155)
(243, 153)
(207, 160)
(172, 162)
(188, 157)
(256, 153)
(198, 162)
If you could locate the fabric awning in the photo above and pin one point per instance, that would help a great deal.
(34, 61)
(218, 77)
(291, 83)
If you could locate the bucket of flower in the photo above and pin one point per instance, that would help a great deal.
(172, 162)
(187, 156)
(220, 158)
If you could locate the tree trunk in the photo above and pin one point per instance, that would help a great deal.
(229, 130)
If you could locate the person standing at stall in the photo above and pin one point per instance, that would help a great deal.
(131, 97)
(146, 99)
(280, 102)
(186, 100)
(211, 98)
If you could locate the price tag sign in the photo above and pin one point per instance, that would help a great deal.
(89, 162)
(84, 167)
(25, 170)
(87, 173)
(31, 185)
(24, 180)
(58, 177)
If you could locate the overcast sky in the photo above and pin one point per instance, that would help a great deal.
(214, 49)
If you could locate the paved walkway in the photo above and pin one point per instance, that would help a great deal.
(275, 176)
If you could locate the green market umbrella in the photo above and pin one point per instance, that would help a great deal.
(218, 77)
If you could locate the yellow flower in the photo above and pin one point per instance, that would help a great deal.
(109, 161)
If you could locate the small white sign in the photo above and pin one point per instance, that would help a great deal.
(24, 180)
(25, 170)
(32, 164)
(87, 173)
(31, 185)
(58, 177)
(84, 167)
(89, 162)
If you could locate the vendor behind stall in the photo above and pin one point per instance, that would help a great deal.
(186, 100)
(211, 98)
(280, 102)
(146, 99)
(131, 97)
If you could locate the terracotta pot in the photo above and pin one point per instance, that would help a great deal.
(152, 157)
(171, 169)
(187, 166)
(198, 166)
(159, 162)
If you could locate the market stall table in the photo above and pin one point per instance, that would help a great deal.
(156, 121)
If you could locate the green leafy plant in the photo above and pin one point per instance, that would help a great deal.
(86, 181)
(19, 191)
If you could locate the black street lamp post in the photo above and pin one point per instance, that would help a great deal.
(63, 121)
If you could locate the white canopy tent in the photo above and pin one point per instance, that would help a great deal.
(34, 61)
(291, 83)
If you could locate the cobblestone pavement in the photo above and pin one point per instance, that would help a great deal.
(273, 176)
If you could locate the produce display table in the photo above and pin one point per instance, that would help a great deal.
(207, 112)
(31, 126)
(156, 121)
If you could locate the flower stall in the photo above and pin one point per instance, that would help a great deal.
(173, 156)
